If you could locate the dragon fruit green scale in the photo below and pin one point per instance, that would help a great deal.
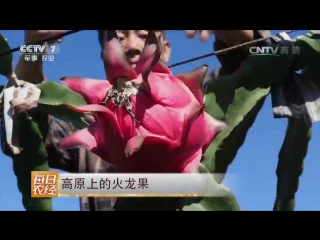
(146, 119)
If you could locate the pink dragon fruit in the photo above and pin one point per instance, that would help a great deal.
(147, 120)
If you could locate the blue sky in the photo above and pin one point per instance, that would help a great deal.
(252, 175)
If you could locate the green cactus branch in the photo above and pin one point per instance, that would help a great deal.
(238, 98)
(293, 152)
(33, 157)
(5, 60)
(290, 165)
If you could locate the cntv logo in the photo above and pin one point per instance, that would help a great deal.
(266, 50)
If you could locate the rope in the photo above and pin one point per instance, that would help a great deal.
(225, 50)
(172, 65)
(13, 77)
(42, 41)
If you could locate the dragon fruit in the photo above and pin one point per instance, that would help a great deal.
(146, 119)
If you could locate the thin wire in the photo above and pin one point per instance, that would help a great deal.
(42, 41)
(36, 43)
(225, 50)
(172, 65)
